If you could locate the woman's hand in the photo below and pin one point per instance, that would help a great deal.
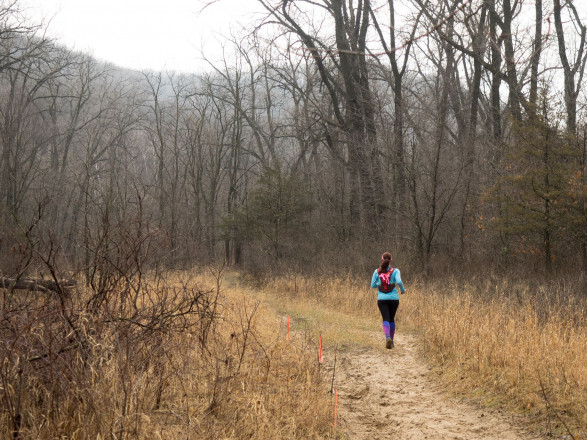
(404, 292)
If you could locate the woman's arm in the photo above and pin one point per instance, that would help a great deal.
(398, 280)
(375, 281)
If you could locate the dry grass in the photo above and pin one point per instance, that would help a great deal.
(312, 317)
(511, 344)
(234, 376)
(497, 342)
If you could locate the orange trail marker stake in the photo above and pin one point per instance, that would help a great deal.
(320, 359)
(288, 327)
(335, 405)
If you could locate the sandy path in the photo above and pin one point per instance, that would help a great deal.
(385, 394)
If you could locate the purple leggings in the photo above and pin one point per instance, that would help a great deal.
(388, 308)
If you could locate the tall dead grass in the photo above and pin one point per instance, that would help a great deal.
(225, 369)
(224, 372)
(498, 341)
(511, 343)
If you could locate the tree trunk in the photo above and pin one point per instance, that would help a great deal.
(536, 57)
(571, 86)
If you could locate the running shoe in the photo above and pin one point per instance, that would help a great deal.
(388, 343)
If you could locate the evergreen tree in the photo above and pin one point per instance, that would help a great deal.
(538, 186)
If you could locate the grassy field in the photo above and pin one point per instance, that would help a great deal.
(227, 371)
(499, 343)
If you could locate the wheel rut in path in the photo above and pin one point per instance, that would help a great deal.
(385, 394)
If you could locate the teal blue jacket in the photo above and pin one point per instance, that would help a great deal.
(394, 278)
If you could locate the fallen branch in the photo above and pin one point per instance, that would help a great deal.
(46, 355)
(549, 407)
(35, 284)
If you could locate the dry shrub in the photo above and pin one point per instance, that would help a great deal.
(182, 358)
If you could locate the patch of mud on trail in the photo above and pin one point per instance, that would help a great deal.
(388, 394)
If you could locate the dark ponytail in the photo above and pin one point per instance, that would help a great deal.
(385, 260)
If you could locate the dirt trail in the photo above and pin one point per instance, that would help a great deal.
(385, 394)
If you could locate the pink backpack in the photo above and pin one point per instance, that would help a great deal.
(385, 277)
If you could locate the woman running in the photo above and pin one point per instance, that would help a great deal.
(386, 280)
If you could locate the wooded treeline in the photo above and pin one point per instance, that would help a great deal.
(449, 132)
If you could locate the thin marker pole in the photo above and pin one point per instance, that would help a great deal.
(335, 405)
(320, 358)
(288, 327)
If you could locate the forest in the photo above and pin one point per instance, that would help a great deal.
(456, 138)
(452, 133)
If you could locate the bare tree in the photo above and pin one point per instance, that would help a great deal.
(573, 71)
(343, 71)
(23, 141)
(398, 71)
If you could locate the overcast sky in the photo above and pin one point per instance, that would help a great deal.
(145, 34)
